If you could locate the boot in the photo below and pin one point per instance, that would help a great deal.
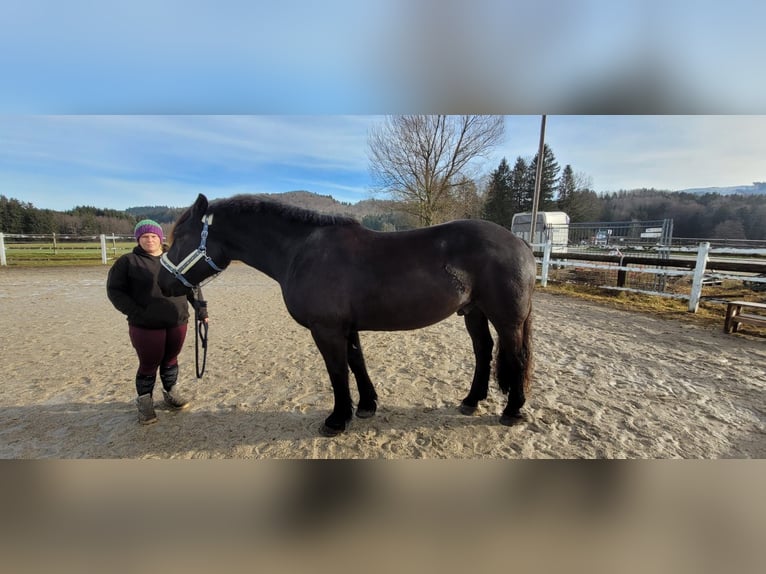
(173, 397)
(145, 403)
(146, 414)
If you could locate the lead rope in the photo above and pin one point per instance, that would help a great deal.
(200, 333)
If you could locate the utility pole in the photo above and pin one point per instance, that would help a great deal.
(538, 182)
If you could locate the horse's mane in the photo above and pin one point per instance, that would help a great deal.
(267, 205)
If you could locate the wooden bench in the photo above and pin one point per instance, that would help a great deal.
(735, 316)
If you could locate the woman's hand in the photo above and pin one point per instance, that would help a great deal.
(200, 307)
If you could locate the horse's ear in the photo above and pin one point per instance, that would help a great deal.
(200, 206)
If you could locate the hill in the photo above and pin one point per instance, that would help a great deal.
(305, 199)
(738, 214)
(328, 204)
(758, 188)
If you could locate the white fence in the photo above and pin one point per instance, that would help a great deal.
(58, 243)
(754, 273)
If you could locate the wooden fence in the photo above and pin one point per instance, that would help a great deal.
(699, 265)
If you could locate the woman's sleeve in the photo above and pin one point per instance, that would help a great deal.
(118, 288)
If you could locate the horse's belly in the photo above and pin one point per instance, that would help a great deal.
(404, 315)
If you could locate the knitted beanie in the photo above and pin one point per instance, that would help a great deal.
(148, 226)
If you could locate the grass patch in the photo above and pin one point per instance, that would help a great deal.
(67, 255)
(709, 313)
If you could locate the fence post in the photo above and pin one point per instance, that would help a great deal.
(103, 248)
(3, 262)
(546, 263)
(699, 273)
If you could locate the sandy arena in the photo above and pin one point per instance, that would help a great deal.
(607, 383)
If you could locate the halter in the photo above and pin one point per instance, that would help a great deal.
(200, 333)
(191, 260)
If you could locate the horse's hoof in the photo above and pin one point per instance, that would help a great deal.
(365, 413)
(514, 419)
(330, 428)
(467, 410)
(328, 431)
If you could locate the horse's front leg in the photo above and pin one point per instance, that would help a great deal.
(333, 345)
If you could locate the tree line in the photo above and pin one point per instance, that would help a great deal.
(424, 163)
(19, 217)
(709, 215)
(427, 164)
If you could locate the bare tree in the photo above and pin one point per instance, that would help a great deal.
(465, 201)
(421, 160)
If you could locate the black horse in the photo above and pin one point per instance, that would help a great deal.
(339, 278)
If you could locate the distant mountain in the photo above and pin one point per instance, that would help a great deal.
(328, 204)
(159, 213)
(305, 199)
(758, 188)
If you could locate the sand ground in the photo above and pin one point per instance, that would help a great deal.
(607, 383)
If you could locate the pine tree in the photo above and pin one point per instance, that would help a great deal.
(549, 179)
(12, 215)
(566, 189)
(521, 192)
(498, 206)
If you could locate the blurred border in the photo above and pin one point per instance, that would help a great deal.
(430, 56)
(382, 56)
(585, 516)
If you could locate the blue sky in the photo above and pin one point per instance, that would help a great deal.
(61, 161)
(117, 104)
(381, 56)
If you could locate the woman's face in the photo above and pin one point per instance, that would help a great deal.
(151, 243)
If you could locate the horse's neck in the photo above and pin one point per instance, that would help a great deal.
(270, 247)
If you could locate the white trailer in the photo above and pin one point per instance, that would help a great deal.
(553, 225)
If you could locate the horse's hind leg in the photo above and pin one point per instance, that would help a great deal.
(333, 345)
(478, 327)
(367, 396)
(514, 367)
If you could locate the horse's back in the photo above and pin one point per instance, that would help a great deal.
(490, 243)
(483, 260)
(472, 245)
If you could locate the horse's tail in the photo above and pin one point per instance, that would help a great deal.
(514, 361)
(526, 346)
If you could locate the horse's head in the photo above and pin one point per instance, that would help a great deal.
(195, 253)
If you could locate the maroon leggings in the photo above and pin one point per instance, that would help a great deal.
(157, 347)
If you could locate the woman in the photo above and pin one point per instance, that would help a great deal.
(156, 324)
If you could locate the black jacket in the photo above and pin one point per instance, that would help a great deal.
(132, 288)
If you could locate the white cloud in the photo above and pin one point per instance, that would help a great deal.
(665, 152)
(58, 162)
